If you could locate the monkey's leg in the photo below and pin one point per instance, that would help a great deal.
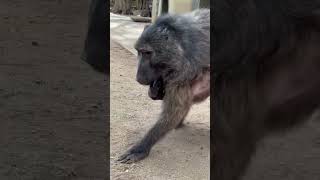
(176, 105)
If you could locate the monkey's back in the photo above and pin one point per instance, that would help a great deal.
(199, 37)
(188, 49)
(193, 31)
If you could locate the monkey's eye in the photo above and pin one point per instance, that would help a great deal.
(146, 53)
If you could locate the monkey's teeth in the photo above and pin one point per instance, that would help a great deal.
(154, 83)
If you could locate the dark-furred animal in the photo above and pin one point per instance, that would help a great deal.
(174, 59)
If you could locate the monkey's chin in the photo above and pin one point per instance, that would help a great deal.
(157, 89)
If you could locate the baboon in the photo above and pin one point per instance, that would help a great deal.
(174, 59)
(265, 75)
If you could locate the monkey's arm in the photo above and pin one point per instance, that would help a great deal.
(176, 105)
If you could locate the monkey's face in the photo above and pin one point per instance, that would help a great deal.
(150, 73)
(159, 55)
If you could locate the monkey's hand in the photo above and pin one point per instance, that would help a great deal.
(134, 154)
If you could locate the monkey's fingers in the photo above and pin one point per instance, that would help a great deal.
(122, 157)
(132, 157)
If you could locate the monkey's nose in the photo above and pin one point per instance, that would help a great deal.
(142, 80)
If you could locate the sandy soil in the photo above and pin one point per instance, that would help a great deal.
(182, 154)
(52, 105)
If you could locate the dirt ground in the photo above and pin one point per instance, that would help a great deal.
(182, 154)
(52, 105)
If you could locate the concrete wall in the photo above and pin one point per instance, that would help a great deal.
(176, 6)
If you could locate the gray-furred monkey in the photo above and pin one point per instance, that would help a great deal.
(174, 59)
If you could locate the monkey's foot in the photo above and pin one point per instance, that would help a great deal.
(133, 155)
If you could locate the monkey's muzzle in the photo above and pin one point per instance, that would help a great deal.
(157, 89)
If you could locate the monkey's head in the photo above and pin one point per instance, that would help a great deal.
(159, 56)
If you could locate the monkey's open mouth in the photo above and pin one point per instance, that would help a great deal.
(157, 89)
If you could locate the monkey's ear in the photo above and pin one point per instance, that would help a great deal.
(146, 26)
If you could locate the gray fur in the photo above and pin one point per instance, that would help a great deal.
(188, 40)
(176, 48)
